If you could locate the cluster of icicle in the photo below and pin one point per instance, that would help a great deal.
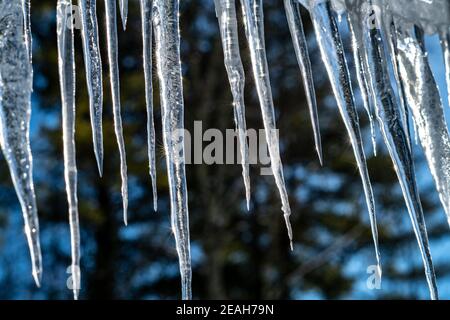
(383, 32)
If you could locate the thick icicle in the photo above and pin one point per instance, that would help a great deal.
(254, 26)
(301, 50)
(124, 12)
(354, 23)
(26, 8)
(111, 26)
(15, 112)
(428, 112)
(167, 39)
(146, 17)
(390, 34)
(226, 14)
(66, 62)
(333, 55)
(396, 141)
(93, 63)
(445, 43)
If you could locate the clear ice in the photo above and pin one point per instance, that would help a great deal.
(94, 78)
(391, 125)
(124, 12)
(66, 62)
(294, 19)
(15, 113)
(427, 109)
(111, 26)
(167, 39)
(333, 55)
(252, 12)
(226, 14)
(382, 32)
(146, 19)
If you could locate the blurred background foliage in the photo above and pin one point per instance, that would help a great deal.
(236, 254)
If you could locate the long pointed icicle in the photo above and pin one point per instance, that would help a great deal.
(15, 113)
(425, 102)
(124, 12)
(445, 43)
(93, 63)
(226, 14)
(301, 50)
(396, 140)
(361, 70)
(333, 55)
(111, 26)
(254, 26)
(66, 62)
(146, 17)
(167, 39)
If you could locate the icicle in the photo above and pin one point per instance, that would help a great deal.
(445, 43)
(66, 61)
(111, 26)
(26, 8)
(124, 12)
(226, 14)
(93, 63)
(15, 112)
(389, 30)
(333, 55)
(254, 26)
(397, 143)
(301, 50)
(354, 23)
(146, 17)
(167, 39)
(425, 102)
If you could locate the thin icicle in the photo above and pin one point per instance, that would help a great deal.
(15, 112)
(445, 43)
(254, 26)
(93, 63)
(333, 55)
(425, 102)
(354, 23)
(167, 39)
(66, 62)
(396, 141)
(226, 14)
(124, 12)
(111, 26)
(294, 19)
(26, 10)
(146, 17)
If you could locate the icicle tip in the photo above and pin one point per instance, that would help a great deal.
(37, 276)
(99, 165)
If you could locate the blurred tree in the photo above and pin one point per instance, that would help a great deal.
(236, 254)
